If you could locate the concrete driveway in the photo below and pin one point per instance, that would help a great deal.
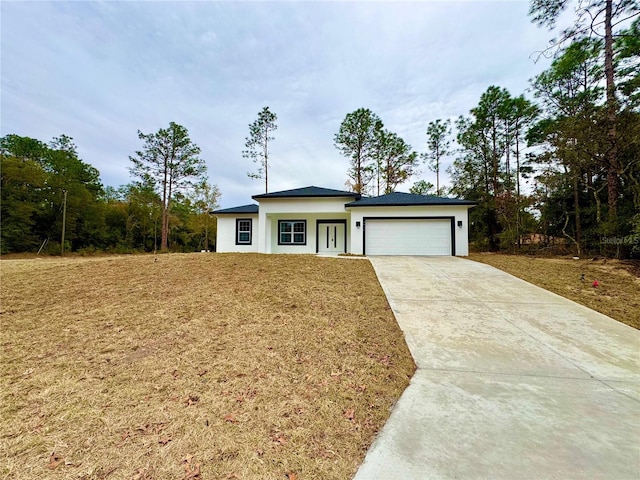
(513, 382)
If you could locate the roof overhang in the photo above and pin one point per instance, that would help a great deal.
(251, 209)
(460, 203)
(307, 192)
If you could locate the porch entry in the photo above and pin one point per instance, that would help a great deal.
(331, 236)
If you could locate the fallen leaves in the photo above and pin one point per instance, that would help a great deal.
(349, 414)
(143, 474)
(55, 461)
(147, 429)
(279, 438)
(248, 394)
(230, 418)
(151, 428)
(123, 438)
(383, 359)
(210, 388)
(191, 469)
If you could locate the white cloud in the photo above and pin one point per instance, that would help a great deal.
(99, 71)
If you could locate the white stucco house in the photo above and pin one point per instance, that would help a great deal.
(326, 221)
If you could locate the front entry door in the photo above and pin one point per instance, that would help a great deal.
(331, 238)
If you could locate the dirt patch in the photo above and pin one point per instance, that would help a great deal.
(611, 287)
(632, 266)
(194, 366)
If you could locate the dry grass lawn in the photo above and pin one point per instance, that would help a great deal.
(212, 366)
(617, 294)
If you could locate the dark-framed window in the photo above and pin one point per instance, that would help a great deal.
(292, 232)
(244, 230)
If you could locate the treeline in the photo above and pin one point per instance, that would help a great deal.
(50, 196)
(559, 172)
(577, 148)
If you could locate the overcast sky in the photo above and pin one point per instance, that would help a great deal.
(101, 71)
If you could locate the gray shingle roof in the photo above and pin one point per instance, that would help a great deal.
(400, 199)
(307, 192)
(243, 209)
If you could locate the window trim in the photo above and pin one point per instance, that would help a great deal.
(238, 241)
(292, 222)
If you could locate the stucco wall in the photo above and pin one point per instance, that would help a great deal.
(226, 235)
(265, 224)
(459, 212)
(309, 209)
(311, 219)
(304, 205)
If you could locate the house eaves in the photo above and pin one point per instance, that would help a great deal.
(401, 199)
(308, 192)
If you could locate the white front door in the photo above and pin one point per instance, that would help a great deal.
(331, 238)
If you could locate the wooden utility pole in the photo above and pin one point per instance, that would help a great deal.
(64, 220)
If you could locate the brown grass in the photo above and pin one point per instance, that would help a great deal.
(213, 366)
(617, 295)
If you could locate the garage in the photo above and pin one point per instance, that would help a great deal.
(409, 236)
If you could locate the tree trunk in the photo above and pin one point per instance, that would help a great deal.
(388, 176)
(576, 210)
(507, 161)
(164, 235)
(495, 159)
(492, 221)
(611, 155)
(358, 186)
(564, 231)
(485, 165)
(437, 171)
(266, 163)
(169, 197)
(206, 234)
(358, 162)
(165, 208)
(266, 175)
(517, 154)
(598, 209)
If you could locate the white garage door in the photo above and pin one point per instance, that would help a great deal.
(408, 236)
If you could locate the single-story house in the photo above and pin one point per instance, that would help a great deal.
(326, 221)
